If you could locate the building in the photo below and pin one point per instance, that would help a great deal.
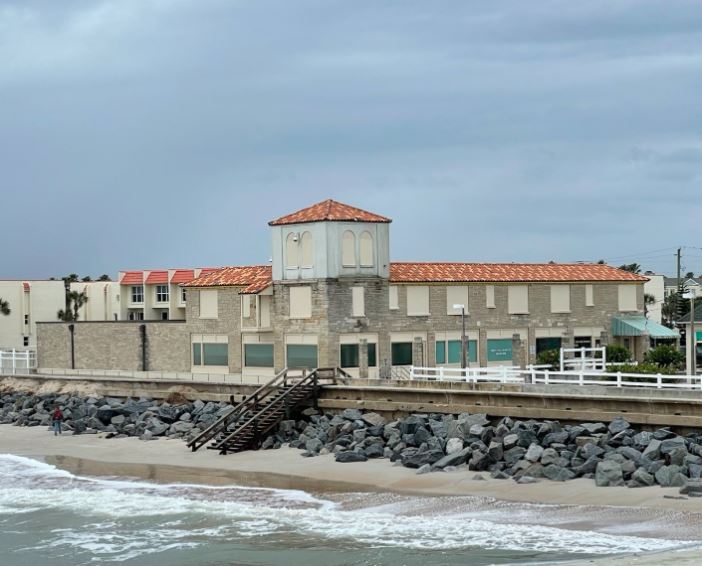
(655, 288)
(332, 297)
(104, 298)
(155, 294)
(693, 346)
(672, 285)
(30, 301)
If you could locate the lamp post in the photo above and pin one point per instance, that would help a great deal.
(464, 346)
(691, 293)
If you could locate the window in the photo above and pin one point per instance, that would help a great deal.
(401, 354)
(358, 307)
(162, 293)
(417, 301)
(545, 344)
(350, 355)
(291, 260)
(456, 296)
(135, 315)
(490, 297)
(302, 356)
(164, 315)
(560, 298)
(300, 302)
(264, 302)
(208, 304)
(518, 299)
(589, 296)
(348, 249)
(26, 319)
(182, 295)
(394, 299)
(211, 351)
(450, 352)
(627, 298)
(582, 342)
(246, 306)
(366, 249)
(137, 293)
(25, 340)
(499, 350)
(258, 355)
(307, 250)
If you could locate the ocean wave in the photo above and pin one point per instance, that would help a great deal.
(174, 511)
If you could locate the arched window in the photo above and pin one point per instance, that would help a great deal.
(307, 250)
(291, 259)
(348, 249)
(366, 250)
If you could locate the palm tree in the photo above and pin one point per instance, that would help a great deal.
(4, 307)
(649, 301)
(74, 301)
(631, 267)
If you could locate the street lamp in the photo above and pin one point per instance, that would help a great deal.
(691, 293)
(464, 346)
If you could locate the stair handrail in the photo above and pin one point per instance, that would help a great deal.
(210, 432)
(221, 445)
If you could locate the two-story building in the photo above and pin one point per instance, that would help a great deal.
(332, 297)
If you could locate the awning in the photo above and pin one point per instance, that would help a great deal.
(640, 325)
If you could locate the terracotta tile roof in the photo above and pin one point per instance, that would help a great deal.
(329, 211)
(183, 276)
(254, 278)
(157, 277)
(401, 272)
(132, 278)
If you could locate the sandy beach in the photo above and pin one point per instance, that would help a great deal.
(578, 503)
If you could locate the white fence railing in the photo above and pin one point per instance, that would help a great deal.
(541, 376)
(584, 359)
(17, 361)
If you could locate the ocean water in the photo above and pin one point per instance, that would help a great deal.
(50, 516)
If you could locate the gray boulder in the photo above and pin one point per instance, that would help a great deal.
(653, 450)
(348, 457)
(533, 454)
(609, 473)
(618, 425)
(670, 476)
(375, 450)
(373, 419)
(454, 459)
(352, 414)
(557, 473)
(454, 445)
(641, 478)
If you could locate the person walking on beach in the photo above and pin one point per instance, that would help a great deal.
(56, 419)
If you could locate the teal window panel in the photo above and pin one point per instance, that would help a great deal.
(545, 344)
(472, 351)
(372, 356)
(302, 356)
(349, 355)
(401, 353)
(440, 352)
(499, 350)
(258, 355)
(197, 354)
(454, 351)
(215, 354)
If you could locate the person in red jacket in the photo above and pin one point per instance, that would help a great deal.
(56, 420)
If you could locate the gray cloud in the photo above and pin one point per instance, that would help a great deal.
(150, 133)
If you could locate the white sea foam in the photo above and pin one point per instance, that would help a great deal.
(173, 512)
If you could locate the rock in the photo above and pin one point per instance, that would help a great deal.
(557, 473)
(526, 480)
(453, 459)
(375, 450)
(691, 486)
(156, 427)
(609, 473)
(425, 469)
(478, 461)
(454, 445)
(653, 450)
(373, 419)
(421, 435)
(118, 420)
(418, 459)
(594, 428)
(642, 439)
(667, 446)
(411, 424)
(352, 415)
(510, 441)
(513, 455)
(555, 438)
(478, 477)
(587, 467)
(630, 453)
(549, 456)
(347, 457)
(670, 476)
(642, 478)
(104, 414)
(618, 425)
(533, 454)
(495, 452)
(677, 455)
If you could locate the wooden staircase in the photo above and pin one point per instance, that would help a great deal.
(249, 422)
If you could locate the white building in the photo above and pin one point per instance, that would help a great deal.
(30, 302)
(655, 287)
(103, 300)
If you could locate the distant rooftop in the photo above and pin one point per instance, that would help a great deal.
(329, 211)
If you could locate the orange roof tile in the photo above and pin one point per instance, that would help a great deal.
(402, 272)
(157, 277)
(329, 211)
(132, 278)
(254, 278)
(183, 276)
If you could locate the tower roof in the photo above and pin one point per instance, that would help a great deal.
(329, 211)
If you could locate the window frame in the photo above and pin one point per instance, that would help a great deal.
(137, 291)
(160, 294)
(259, 345)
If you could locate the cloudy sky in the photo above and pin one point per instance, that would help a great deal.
(166, 133)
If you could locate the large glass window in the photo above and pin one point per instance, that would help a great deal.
(545, 344)
(302, 356)
(207, 354)
(499, 350)
(450, 352)
(350, 355)
(137, 293)
(162, 293)
(401, 353)
(258, 355)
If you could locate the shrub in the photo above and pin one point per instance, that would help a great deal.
(618, 354)
(645, 367)
(549, 357)
(665, 356)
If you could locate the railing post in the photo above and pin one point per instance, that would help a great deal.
(581, 378)
(315, 399)
(619, 379)
(659, 381)
(14, 361)
(546, 377)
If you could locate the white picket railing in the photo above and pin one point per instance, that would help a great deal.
(17, 361)
(540, 375)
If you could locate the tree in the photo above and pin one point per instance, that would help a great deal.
(104, 277)
(74, 301)
(669, 310)
(601, 262)
(689, 275)
(631, 267)
(86, 279)
(649, 301)
(4, 307)
(618, 354)
(665, 356)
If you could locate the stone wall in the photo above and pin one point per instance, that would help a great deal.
(114, 345)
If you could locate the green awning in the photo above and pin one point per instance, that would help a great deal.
(640, 325)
